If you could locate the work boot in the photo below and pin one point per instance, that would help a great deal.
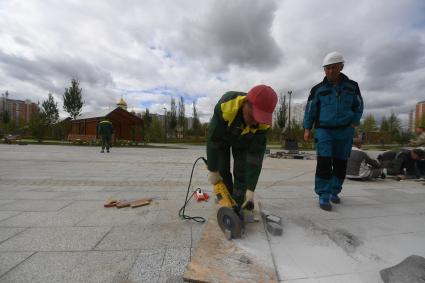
(325, 204)
(335, 199)
(102, 151)
(107, 151)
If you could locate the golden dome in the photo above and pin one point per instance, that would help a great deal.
(121, 102)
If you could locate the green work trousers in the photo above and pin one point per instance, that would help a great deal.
(236, 183)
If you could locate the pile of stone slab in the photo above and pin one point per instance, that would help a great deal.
(273, 223)
(292, 155)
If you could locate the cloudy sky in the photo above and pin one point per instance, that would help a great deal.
(149, 51)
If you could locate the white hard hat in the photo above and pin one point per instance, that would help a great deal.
(332, 58)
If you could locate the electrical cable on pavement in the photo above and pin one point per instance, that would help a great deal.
(182, 214)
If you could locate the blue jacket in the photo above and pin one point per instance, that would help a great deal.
(334, 106)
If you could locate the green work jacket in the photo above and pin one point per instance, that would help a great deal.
(104, 128)
(227, 129)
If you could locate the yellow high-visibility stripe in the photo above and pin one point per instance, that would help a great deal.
(230, 108)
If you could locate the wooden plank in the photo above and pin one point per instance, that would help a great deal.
(140, 202)
(123, 203)
(217, 259)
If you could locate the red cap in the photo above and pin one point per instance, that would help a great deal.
(263, 99)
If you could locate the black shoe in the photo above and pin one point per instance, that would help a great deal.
(325, 204)
(383, 176)
(335, 199)
(107, 151)
(102, 151)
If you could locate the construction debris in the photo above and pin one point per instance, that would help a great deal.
(264, 214)
(410, 270)
(128, 203)
(274, 219)
(244, 259)
(293, 155)
(274, 229)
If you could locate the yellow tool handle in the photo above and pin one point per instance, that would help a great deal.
(223, 196)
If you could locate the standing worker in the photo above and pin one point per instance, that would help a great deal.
(105, 130)
(239, 125)
(334, 108)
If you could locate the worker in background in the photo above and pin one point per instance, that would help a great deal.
(334, 108)
(105, 130)
(361, 166)
(238, 127)
(405, 164)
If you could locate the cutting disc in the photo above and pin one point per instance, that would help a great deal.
(228, 219)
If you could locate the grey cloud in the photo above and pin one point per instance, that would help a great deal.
(234, 33)
(396, 57)
(47, 72)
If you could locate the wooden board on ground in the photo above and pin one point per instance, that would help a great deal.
(123, 203)
(217, 259)
(140, 202)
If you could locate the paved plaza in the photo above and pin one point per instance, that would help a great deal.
(54, 228)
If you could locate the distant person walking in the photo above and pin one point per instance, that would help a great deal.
(361, 166)
(105, 130)
(334, 108)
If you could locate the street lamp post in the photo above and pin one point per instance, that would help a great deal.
(289, 110)
(165, 124)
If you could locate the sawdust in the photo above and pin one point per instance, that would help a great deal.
(218, 260)
(342, 238)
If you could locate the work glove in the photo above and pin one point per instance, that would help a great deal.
(249, 200)
(214, 177)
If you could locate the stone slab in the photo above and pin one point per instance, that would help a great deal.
(9, 260)
(92, 266)
(35, 205)
(7, 214)
(274, 228)
(216, 259)
(110, 217)
(55, 239)
(6, 233)
(147, 267)
(147, 237)
(44, 219)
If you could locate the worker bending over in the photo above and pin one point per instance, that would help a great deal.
(238, 127)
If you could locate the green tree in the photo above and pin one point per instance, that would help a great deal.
(384, 128)
(73, 99)
(394, 124)
(50, 110)
(181, 119)
(172, 119)
(157, 131)
(147, 121)
(5, 115)
(404, 137)
(196, 126)
(369, 124)
(38, 126)
(281, 114)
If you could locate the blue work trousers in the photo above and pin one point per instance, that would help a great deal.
(333, 149)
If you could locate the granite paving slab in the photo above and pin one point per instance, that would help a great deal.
(8, 260)
(55, 239)
(147, 237)
(90, 266)
(35, 205)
